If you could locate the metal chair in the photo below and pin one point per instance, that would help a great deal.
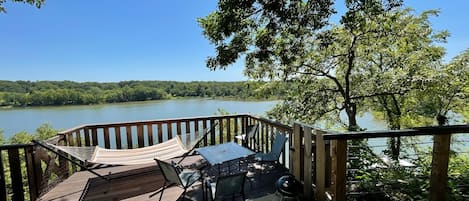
(251, 131)
(274, 154)
(227, 187)
(175, 175)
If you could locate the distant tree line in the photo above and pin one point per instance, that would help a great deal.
(44, 93)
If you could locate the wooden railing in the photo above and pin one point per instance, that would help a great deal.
(45, 169)
(440, 156)
(332, 160)
(311, 162)
(319, 165)
(27, 171)
(11, 154)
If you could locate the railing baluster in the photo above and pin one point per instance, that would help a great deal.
(107, 142)
(196, 130)
(71, 142)
(170, 130)
(38, 170)
(78, 138)
(235, 129)
(212, 132)
(87, 136)
(268, 142)
(3, 188)
(178, 128)
(150, 133)
(15, 173)
(128, 132)
(140, 136)
(228, 129)
(262, 137)
(160, 132)
(70, 139)
(94, 136)
(220, 124)
(188, 131)
(31, 171)
(204, 124)
(117, 131)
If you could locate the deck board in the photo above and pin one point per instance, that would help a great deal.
(135, 183)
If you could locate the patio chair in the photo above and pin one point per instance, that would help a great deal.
(274, 154)
(251, 131)
(226, 187)
(175, 175)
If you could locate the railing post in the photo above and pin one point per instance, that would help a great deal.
(140, 135)
(320, 166)
(244, 128)
(339, 168)
(16, 176)
(296, 166)
(63, 164)
(212, 132)
(107, 141)
(307, 168)
(38, 169)
(220, 131)
(439, 175)
(3, 189)
(117, 132)
(31, 171)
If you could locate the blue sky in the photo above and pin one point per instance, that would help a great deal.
(115, 40)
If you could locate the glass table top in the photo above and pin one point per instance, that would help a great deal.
(218, 154)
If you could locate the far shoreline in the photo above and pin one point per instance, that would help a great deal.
(11, 107)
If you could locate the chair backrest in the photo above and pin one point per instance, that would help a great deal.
(170, 172)
(251, 130)
(230, 185)
(279, 144)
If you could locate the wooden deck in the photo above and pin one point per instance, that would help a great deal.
(139, 182)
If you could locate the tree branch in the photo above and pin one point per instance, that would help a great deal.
(377, 94)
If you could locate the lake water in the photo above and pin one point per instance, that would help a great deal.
(63, 117)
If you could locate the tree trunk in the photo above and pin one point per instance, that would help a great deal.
(351, 111)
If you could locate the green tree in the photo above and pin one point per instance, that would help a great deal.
(21, 138)
(45, 131)
(330, 68)
(450, 89)
(402, 62)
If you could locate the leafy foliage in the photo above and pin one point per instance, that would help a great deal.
(448, 89)
(21, 138)
(36, 3)
(262, 30)
(413, 183)
(43, 132)
(26, 93)
(332, 69)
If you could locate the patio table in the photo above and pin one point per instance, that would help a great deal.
(221, 153)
